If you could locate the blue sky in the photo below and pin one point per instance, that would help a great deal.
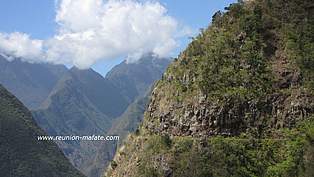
(37, 18)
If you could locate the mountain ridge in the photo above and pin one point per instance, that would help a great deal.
(84, 103)
(34, 78)
(21, 153)
(237, 102)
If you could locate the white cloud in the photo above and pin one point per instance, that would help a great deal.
(79, 15)
(93, 30)
(20, 45)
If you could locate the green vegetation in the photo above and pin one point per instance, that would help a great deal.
(235, 55)
(21, 154)
(237, 102)
(298, 36)
(286, 155)
(85, 103)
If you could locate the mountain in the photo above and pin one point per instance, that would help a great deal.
(134, 79)
(239, 101)
(129, 121)
(85, 103)
(21, 154)
(37, 80)
(82, 103)
(121, 126)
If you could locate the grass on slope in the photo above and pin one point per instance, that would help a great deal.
(288, 152)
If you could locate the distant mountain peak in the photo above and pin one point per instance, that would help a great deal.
(83, 101)
(148, 58)
(35, 79)
(76, 69)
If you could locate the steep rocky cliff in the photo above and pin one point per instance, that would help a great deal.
(237, 102)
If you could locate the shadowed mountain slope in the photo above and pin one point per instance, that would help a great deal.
(21, 154)
(30, 82)
(85, 103)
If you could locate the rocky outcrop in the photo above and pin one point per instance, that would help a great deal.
(228, 117)
(237, 102)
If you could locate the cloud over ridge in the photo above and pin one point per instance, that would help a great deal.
(93, 30)
(20, 45)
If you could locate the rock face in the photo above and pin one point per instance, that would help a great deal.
(237, 102)
(228, 117)
(215, 88)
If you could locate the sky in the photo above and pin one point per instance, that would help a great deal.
(100, 33)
